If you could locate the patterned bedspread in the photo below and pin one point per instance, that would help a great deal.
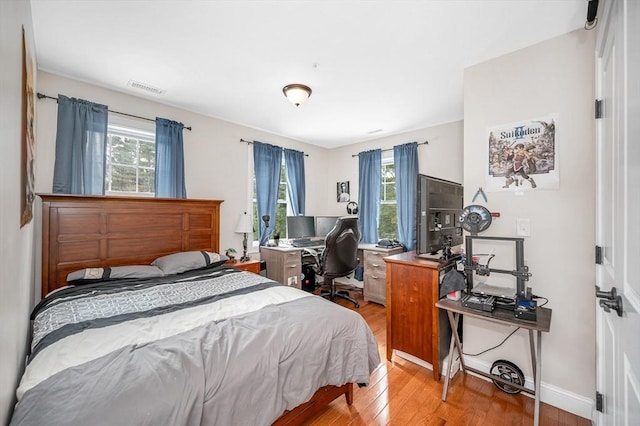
(217, 346)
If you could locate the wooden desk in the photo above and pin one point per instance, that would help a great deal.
(414, 325)
(505, 317)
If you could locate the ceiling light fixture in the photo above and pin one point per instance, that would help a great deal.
(296, 93)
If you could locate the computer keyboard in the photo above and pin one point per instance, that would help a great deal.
(307, 243)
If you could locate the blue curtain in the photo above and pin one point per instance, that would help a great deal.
(169, 159)
(81, 140)
(267, 160)
(294, 163)
(370, 179)
(405, 159)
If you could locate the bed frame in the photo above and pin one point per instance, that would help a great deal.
(94, 231)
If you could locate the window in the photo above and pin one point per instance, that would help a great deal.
(388, 220)
(280, 223)
(131, 159)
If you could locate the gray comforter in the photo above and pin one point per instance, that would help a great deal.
(236, 349)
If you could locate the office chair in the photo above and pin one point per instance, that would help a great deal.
(340, 256)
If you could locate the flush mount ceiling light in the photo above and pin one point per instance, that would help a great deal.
(296, 93)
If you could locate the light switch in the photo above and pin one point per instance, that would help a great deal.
(523, 227)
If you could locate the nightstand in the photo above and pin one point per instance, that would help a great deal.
(249, 265)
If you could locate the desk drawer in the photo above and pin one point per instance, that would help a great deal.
(284, 266)
(375, 273)
(375, 289)
(292, 258)
(373, 260)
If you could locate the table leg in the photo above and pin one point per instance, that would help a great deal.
(532, 346)
(536, 384)
(454, 330)
(456, 338)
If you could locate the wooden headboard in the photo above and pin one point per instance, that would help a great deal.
(92, 231)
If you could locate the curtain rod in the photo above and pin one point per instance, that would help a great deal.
(43, 96)
(250, 142)
(390, 149)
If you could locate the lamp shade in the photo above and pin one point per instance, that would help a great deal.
(296, 93)
(245, 225)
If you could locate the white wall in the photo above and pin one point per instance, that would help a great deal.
(17, 247)
(556, 76)
(216, 162)
(442, 157)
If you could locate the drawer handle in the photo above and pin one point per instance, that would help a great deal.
(375, 265)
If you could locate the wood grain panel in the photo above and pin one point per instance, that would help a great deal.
(76, 251)
(128, 220)
(122, 248)
(412, 302)
(75, 221)
(196, 240)
(200, 221)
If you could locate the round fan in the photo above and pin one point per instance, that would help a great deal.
(475, 218)
(508, 371)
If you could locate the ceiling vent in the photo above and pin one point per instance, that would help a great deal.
(145, 86)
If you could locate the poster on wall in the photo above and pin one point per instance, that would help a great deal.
(342, 192)
(523, 156)
(27, 175)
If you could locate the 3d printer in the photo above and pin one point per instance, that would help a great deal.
(477, 218)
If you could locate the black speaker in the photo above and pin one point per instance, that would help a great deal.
(352, 207)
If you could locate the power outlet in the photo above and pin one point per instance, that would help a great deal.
(523, 227)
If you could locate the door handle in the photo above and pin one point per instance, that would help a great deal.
(615, 304)
(611, 295)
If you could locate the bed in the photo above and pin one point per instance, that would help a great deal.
(156, 328)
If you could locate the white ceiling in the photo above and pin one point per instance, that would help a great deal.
(376, 68)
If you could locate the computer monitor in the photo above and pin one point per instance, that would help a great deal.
(300, 227)
(324, 224)
(439, 204)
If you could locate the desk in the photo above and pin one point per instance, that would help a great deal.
(414, 325)
(505, 317)
(284, 264)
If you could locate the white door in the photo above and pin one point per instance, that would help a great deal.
(618, 205)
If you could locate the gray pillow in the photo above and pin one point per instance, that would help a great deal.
(94, 274)
(188, 260)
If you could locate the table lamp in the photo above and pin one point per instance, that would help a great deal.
(245, 226)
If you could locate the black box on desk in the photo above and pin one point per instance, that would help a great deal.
(478, 302)
(526, 309)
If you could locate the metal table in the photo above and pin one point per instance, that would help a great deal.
(505, 317)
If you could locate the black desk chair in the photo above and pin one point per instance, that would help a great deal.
(340, 256)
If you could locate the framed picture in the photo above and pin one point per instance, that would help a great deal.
(27, 176)
(523, 156)
(342, 189)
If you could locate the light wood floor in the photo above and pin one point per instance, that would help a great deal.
(403, 393)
